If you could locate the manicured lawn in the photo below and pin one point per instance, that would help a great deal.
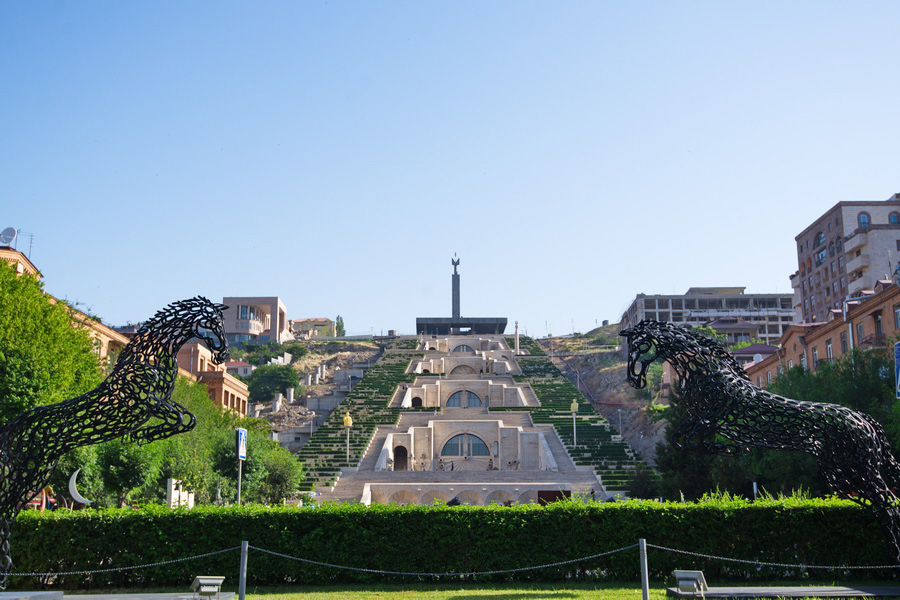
(459, 591)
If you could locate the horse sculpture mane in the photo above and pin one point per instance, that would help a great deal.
(134, 402)
(722, 412)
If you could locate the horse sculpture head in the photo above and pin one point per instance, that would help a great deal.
(643, 350)
(687, 350)
(207, 325)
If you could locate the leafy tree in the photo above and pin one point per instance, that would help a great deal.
(126, 466)
(861, 380)
(44, 357)
(268, 380)
(745, 344)
(339, 329)
(261, 354)
(89, 482)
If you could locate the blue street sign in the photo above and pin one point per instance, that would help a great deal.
(241, 439)
(897, 368)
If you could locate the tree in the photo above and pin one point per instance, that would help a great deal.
(268, 380)
(44, 357)
(126, 466)
(339, 326)
(861, 380)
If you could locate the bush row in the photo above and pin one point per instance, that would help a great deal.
(438, 538)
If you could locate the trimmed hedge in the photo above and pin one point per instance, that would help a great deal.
(445, 539)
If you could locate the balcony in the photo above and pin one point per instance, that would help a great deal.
(857, 240)
(873, 340)
(250, 326)
(858, 262)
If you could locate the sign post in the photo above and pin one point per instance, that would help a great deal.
(240, 439)
(897, 368)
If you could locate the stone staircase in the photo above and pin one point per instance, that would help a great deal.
(350, 485)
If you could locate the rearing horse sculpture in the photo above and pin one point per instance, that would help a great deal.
(722, 412)
(134, 402)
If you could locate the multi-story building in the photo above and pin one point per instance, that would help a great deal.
(256, 320)
(195, 361)
(310, 328)
(770, 313)
(846, 250)
(870, 321)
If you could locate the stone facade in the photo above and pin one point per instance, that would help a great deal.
(869, 322)
(845, 251)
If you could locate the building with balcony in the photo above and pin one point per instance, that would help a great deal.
(770, 314)
(870, 322)
(256, 320)
(846, 250)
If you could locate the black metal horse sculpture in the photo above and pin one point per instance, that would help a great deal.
(134, 402)
(722, 412)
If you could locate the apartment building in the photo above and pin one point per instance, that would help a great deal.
(770, 314)
(846, 250)
(256, 320)
(871, 321)
(314, 327)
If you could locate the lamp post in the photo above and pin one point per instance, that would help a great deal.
(619, 411)
(574, 408)
(348, 423)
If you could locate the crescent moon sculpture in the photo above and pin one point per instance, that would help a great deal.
(73, 491)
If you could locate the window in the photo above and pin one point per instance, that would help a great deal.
(839, 245)
(864, 220)
(897, 316)
(843, 342)
(243, 312)
(465, 444)
(860, 331)
(768, 378)
(820, 239)
(833, 269)
(803, 361)
(831, 249)
(821, 255)
(829, 351)
(457, 398)
(463, 348)
(791, 363)
(816, 356)
(879, 329)
(834, 286)
(759, 381)
(894, 218)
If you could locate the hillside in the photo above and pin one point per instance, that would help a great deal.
(601, 369)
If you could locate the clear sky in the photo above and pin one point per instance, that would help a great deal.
(337, 154)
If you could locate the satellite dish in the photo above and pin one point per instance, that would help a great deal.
(7, 236)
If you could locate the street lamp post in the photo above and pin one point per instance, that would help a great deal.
(574, 408)
(348, 423)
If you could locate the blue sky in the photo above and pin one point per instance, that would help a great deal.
(337, 154)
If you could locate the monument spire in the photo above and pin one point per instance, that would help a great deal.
(455, 262)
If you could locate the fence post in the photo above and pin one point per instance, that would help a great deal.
(242, 582)
(645, 571)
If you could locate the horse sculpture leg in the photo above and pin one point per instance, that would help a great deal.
(5, 559)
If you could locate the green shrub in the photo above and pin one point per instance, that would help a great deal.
(439, 538)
